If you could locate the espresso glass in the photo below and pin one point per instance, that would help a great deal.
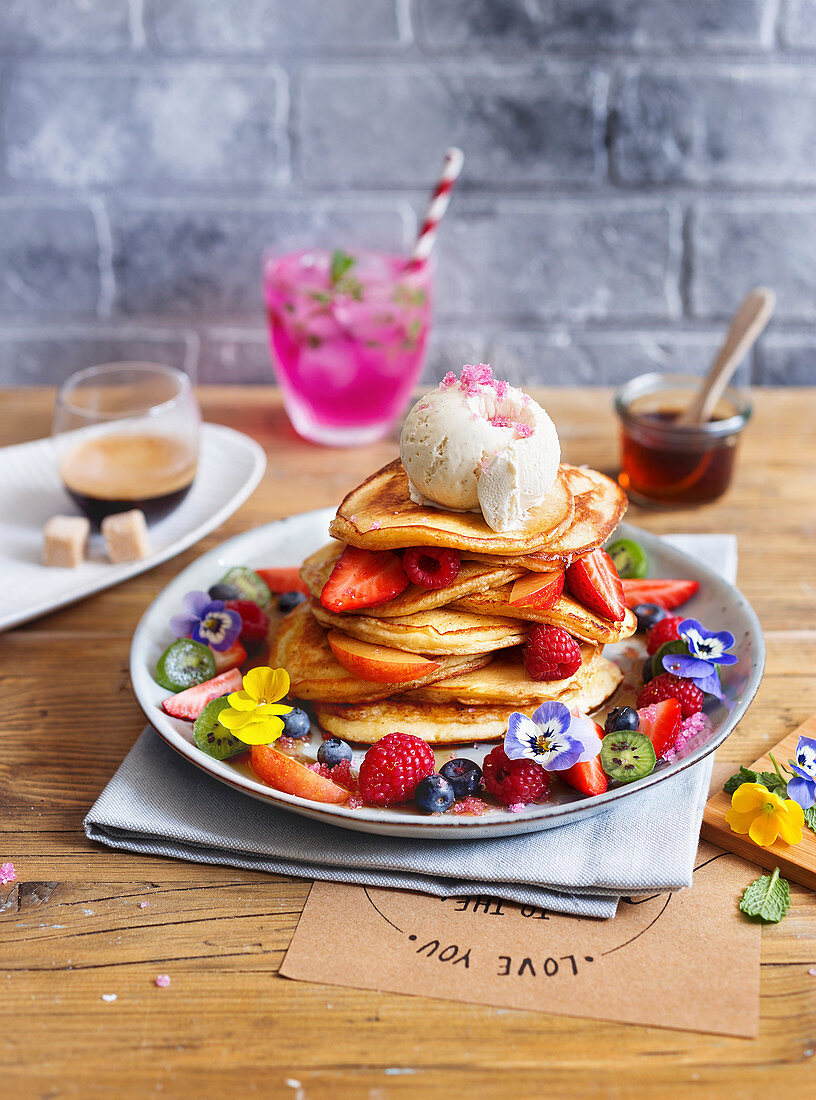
(127, 436)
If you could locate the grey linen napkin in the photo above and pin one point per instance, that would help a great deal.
(157, 804)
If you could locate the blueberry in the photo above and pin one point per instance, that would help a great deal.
(434, 794)
(648, 614)
(333, 751)
(463, 775)
(289, 600)
(648, 671)
(224, 592)
(296, 723)
(621, 718)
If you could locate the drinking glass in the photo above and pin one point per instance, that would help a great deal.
(347, 337)
(127, 437)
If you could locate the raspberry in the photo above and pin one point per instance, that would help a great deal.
(663, 631)
(551, 653)
(514, 782)
(393, 767)
(254, 622)
(669, 686)
(430, 567)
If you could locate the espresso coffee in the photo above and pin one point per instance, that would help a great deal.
(117, 472)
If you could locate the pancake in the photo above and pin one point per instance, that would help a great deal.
(448, 723)
(300, 646)
(441, 630)
(566, 612)
(473, 577)
(599, 507)
(506, 682)
(380, 515)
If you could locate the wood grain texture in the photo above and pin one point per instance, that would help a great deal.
(71, 929)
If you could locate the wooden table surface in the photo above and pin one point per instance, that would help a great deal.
(71, 928)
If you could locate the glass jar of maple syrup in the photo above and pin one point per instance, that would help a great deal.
(664, 464)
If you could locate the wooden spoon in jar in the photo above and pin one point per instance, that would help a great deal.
(749, 321)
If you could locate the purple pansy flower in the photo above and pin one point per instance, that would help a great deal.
(207, 621)
(707, 650)
(553, 737)
(802, 788)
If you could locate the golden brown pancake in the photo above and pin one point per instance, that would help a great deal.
(380, 515)
(506, 682)
(566, 613)
(441, 630)
(300, 646)
(449, 723)
(473, 577)
(599, 507)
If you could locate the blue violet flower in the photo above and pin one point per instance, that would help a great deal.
(207, 621)
(802, 788)
(553, 737)
(707, 649)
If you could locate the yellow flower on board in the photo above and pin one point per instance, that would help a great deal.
(253, 714)
(764, 816)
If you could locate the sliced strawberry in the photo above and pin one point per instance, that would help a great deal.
(363, 578)
(588, 778)
(661, 724)
(593, 580)
(190, 703)
(665, 593)
(284, 578)
(229, 658)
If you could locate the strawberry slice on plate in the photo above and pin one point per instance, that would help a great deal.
(233, 657)
(667, 594)
(588, 777)
(594, 582)
(189, 704)
(661, 722)
(283, 578)
(363, 578)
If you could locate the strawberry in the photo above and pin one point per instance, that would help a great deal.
(661, 722)
(190, 703)
(282, 579)
(587, 777)
(363, 578)
(229, 658)
(594, 582)
(665, 593)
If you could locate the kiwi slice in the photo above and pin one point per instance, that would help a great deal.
(677, 646)
(629, 558)
(249, 585)
(627, 756)
(213, 738)
(184, 664)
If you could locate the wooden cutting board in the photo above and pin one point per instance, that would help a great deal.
(796, 862)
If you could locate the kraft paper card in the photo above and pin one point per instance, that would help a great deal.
(687, 960)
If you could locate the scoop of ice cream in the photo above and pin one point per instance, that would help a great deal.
(477, 444)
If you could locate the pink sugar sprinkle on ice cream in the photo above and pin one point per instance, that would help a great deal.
(472, 376)
(500, 421)
(448, 380)
(500, 386)
(7, 873)
(523, 431)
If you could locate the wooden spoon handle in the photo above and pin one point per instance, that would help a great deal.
(749, 321)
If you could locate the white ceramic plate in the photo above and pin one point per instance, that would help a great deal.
(230, 467)
(718, 605)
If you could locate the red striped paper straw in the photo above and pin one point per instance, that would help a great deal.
(454, 158)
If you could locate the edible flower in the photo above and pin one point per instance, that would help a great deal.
(707, 649)
(254, 713)
(764, 816)
(554, 737)
(802, 787)
(207, 621)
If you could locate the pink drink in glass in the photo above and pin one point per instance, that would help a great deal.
(347, 335)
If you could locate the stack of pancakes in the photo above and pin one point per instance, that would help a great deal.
(469, 629)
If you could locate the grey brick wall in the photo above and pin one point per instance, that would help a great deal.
(633, 167)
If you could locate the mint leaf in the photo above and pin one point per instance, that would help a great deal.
(775, 783)
(768, 898)
(340, 264)
(744, 775)
(810, 818)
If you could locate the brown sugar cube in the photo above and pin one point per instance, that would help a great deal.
(125, 535)
(64, 541)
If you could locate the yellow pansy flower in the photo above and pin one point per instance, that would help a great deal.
(764, 816)
(253, 714)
